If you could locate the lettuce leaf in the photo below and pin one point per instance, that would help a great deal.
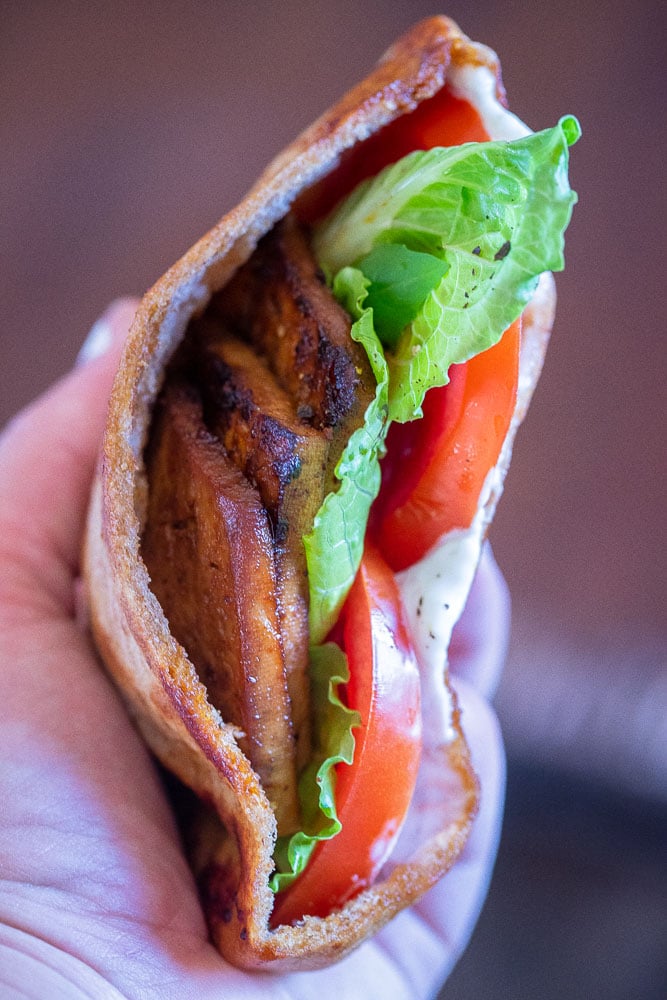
(443, 195)
(493, 271)
(333, 744)
(335, 545)
(399, 281)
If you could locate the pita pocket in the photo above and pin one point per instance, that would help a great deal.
(194, 567)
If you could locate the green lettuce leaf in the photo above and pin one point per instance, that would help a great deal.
(493, 271)
(333, 744)
(335, 545)
(399, 281)
(430, 198)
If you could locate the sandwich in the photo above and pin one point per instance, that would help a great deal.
(307, 437)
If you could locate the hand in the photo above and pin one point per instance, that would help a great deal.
(96, 898)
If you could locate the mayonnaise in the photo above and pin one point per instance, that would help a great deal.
(434, 592)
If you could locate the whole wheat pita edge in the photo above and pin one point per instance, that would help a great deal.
(307, 437)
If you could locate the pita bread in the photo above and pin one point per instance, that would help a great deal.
(233, 838)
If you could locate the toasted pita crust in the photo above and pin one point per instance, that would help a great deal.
(234, 840)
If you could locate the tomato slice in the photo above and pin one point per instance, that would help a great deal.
(373, 793)
(434, 470)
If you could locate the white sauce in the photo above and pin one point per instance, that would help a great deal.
(477, 85)
(435, 589)
(434, 592)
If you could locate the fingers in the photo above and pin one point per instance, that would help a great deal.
(47, 458)
(479, 642)
(107, 334)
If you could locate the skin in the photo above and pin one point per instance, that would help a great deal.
(96, 898)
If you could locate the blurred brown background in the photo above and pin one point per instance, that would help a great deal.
(126, 130)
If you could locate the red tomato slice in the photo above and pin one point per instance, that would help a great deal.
(374, 792)
(435, 468)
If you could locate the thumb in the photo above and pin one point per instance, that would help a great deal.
(47, 459)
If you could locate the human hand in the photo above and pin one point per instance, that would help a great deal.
(96, 898)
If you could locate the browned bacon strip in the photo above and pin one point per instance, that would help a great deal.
(209, 550)
(285, 459)
(279, 302)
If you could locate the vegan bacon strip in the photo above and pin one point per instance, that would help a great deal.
(281, 419)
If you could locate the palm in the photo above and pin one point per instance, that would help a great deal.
(95, 889)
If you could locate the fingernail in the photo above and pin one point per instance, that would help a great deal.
(96, 343)
(114, 320)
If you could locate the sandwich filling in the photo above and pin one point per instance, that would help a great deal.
(267, 446)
